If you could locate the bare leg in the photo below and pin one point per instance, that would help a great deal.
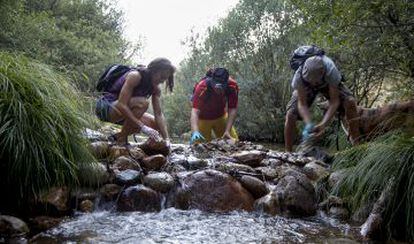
(290, 126)
(138, 106)
(351, 116)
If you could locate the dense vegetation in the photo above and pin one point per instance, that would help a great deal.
(383, 165)
(370, 42)
(47, 48)
(78, 38)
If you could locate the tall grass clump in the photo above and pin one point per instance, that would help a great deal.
(41, 121)
(369, 168)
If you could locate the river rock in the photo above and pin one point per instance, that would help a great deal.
(335, 178)
(110, 192)
(268, 173)
(124, 163)
(251, 158)
(99, 149)
(152, 147)
(93, 174)
(315, 171)
(296, 194)
(234, 167)
(139, 198)
(173, 168)
(117, 151)
(178, 159)
(137, 153)
(339, 213)
(86, 206)
(271, 162)
(268, 204)
(255, 186)
(196, 163)
(127, 177)
(43, 223)
(12, 227)
(211, 190)
(161, 182)
(154, 162)
(56, 199)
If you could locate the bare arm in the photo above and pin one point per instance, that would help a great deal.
(232, 117)
(333, 105)
(159, 116)
(302, 105)
(194, 119)
(133, 79)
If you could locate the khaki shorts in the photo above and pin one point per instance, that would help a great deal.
(292, 106)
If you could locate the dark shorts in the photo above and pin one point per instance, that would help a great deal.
(292, 106)
(102, 109)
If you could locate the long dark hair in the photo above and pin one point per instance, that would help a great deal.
(161, 64)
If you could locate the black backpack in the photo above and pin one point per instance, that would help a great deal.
(215, 75)
(110, 75)
(302, 53)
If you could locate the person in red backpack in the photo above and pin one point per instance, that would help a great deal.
(125, 102)
(214, 104)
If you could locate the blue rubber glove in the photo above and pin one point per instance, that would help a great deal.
(196, 136)
(307, 131)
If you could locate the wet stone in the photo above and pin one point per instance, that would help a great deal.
(315, 171)
(86, 206)
(127, 177)
(110, 191)
(43, 223)
(161, 182)
(137, 153)
(255, 186)
(268, 173)
(117, 151)
(124, 163)
(99, 149)
(139, 198)
(11, 226)
(196, 163)
(151, 147)
(154, 162)
(251, 158)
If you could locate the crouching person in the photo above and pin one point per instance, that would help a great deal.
(214, 105)
(125, 99)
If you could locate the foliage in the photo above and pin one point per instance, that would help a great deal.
(370, 168)
(254, 42)
(78, 37)
(41, 123)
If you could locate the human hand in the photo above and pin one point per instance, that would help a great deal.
(307, 131)
(196, 136)
(319, 129)
(151, 133)
(227, 135)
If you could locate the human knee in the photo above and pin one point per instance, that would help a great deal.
(140, 103)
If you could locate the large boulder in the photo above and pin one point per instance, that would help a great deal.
(161, 182)
(268, 204)
(139, 198)
(12, 227)
(154, 162)
(296, 194)
(211, 190)
(252, 158)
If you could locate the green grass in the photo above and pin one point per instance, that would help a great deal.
(370, 168)
(41, 120)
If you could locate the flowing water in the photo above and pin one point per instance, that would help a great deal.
(193, 226)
